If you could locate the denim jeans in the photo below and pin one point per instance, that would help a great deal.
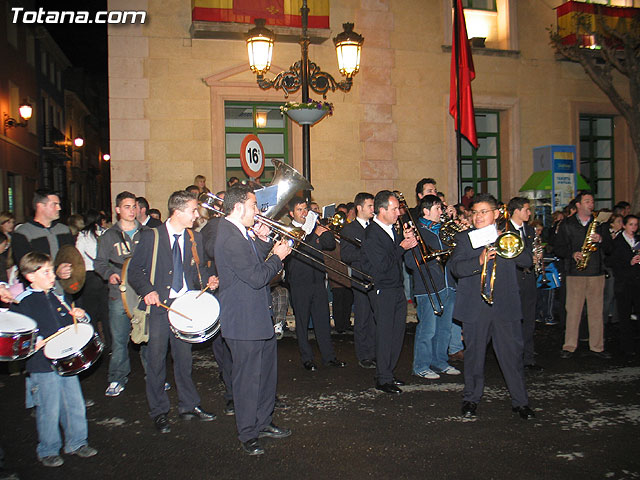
(433, 332)
(59, 402)
(455, 344)
(119, 365)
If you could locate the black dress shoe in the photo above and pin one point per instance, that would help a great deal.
(604, 355)
(388, 388)
(398, 382)
(272, 431)
(162, 423)
(279, 404)
(525, 412)
(566, 354)
(230, 408)
(367, 363)
(252, 447)
(469, 409)
(310, 366)
(534, 367)
(199, 414)
(336, 363)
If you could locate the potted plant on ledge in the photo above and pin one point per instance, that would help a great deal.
(308, 113)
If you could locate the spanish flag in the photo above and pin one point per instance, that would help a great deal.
(276, 12)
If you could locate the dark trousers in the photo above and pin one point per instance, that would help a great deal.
(528, 293)
(254, 376)
(223, 357)
(93, 298)
(506, 336)
(312, 301)
(160, 336)
(364, 326)
(627, 296)
(342, 301)
(390, 310)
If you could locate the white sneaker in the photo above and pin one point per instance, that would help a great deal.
(429, 374)
(114, 389)
(451, 371)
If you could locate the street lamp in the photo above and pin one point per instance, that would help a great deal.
(304, 74)
(25, 110)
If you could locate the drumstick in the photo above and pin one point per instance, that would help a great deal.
(75, 322)
(176, 312)
(59, 332)
(202, 291)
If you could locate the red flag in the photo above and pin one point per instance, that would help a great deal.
(259, 8)
(466, 74)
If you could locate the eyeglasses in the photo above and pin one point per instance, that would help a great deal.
(475, 213)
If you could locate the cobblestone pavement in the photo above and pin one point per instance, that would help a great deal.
(587, 424)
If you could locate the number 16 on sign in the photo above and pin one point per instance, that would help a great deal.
(252, 156)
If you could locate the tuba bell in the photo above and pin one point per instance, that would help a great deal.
(289, 182)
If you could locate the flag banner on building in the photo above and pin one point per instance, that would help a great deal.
(284, 13)
(577, 21)
(461, 79)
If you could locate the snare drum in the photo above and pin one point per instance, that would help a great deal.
(203, 311)
(18, 334)
(73, 351)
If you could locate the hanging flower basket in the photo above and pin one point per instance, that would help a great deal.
(307, 113)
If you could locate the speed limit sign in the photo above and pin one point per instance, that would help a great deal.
(252, 156)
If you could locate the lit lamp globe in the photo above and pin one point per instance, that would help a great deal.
(260, 47)
(78, 142)
(26, 110)
(348, 47)
(106, 157)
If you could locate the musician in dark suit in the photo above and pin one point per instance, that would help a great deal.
(176, 273)
(481, 322)
(519, 214)
(382, 251)
(364, 327)
(246, 323)
(309, 296)
(625, 261)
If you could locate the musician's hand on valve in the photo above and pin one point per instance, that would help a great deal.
(152, 299)
(451, 211)
(487, 254)
(595, 237)
(64, 271)
(262, 231)
(320, 230)
(410, 240)
(213, 282)
(281, 249)
(114, 279)
(577, 256)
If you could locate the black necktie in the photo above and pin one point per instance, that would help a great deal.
(178, 272)
(521, 230)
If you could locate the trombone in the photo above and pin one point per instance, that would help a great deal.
(334, 224)
(507, 245)
(427, 253)
(294, 236)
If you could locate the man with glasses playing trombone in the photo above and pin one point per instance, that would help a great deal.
(482, 321)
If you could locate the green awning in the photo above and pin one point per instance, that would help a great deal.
(542, 181)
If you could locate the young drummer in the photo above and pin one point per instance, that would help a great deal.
(58, 400)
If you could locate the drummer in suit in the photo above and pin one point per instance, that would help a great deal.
(176, 273)
(245, 273)
(364, 328)
(482, 322)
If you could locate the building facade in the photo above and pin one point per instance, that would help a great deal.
(182, 97)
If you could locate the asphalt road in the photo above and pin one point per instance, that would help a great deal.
(586, 426)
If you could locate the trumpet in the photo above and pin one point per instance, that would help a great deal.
(334, 225)
(507, 245)
(294, 236)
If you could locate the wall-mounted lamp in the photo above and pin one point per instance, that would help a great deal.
(261, 119)
(78, 142)
(106, 157)
(26, 111)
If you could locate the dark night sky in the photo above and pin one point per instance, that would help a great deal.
(84, 44)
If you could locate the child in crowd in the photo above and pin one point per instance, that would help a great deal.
(58, 400)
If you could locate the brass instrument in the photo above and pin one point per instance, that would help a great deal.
(588, 245)
(538, 265)
(426, 253)
(334, 225)
(507, 245)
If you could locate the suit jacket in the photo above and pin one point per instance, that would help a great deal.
(302, 271)
(569, 239)
(244, 292)
(153, 222)
(465, 266)
(382, 257)
(209, 233)
(524, 274)
(140, 265)
(621, 260)
(349, 253)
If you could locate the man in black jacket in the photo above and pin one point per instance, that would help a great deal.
(364, 328)
(309, 296)
(176, 273)
(587, 284)
(382, 252)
